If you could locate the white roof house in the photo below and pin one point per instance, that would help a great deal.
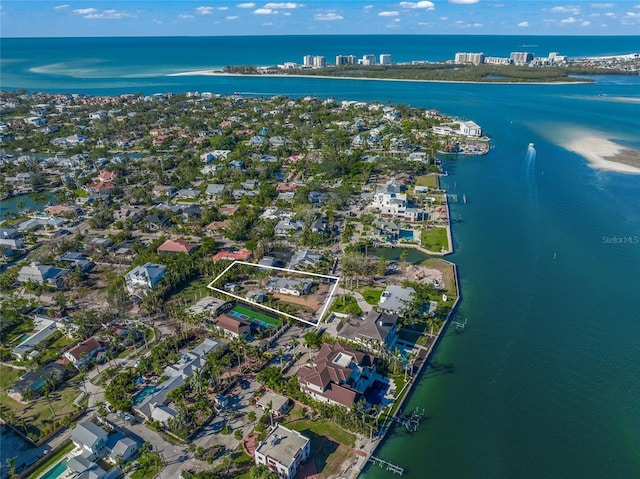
(282, 451)
(395, 298)
(142, 279)
(89, 437)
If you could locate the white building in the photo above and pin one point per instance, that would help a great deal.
(319, 61)
(385, 59)
(368, 59)
(282, 451)
(142, 279)
(470, 128)
(473, 58)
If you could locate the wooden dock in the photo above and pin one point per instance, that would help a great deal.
(387, 465)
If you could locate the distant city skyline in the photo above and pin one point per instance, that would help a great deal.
(87, 18)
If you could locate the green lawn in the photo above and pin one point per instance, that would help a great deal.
(372, 295)
(346, 304)
(434, 239)
(8, 376)
(150, 465)
(324, 428)
(430, 181)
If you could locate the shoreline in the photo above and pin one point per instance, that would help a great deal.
(329, 77)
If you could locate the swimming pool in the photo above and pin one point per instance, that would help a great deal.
(146, 391)
(57, 470)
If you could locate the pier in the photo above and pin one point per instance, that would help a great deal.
(387, 465)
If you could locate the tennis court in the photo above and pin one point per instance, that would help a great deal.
(250, 315)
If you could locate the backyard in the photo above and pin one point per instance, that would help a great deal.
(434, 239)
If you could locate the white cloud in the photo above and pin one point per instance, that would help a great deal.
(264, 11)
(232, 17)
(108, 15)
(602, 5)
(60, 7)
(204, 10)
(464, 2)
(367, 7)
(459, 22)
(223, 8)
(523, 24)
(85, 11)
(246, 5)
(424, 4)
(185, 16)
(267, 24)
(444, 18)
(389, 14)
(478, 25)
(568, 9)
(610, 14)
(586, 23)
(566, 21)
(287, 5)
(328, 17)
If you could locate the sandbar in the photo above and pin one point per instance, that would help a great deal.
(605, 154)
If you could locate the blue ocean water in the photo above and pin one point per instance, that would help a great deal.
(544, 381)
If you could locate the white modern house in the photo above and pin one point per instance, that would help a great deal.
(282, 451)
(470, 128)
(142, 279)
(90, 438)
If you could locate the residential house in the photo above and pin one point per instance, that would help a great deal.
(42, 274)
(376, 331)
(288, 226)
(83, 468)
(319, 225)
(282, 451)
(318, 197)
(289, 286)
(77, 260)
(155, 405)
(232, 326)
(236, 165)
(12, 238)
(129, 212)
(338, 374)
(278, 404)
(122, 449)
(277, 141)
(89, 437)
(157, 222)
(31, 385)
(83, 352)
(187, 193)
(396, 299)
(142, 279)
(228, 210)
(215, 191)
(177, 246)
(160, 191)
(232, 255)
(303, 259)
(43, 328)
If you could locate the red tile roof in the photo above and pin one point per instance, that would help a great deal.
(86, 347)
(286, 187)
(107, 176)
(241, 255)
(176, 246)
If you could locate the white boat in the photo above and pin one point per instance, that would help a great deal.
(530, 145)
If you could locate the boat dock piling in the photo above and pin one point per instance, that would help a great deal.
(387, 465)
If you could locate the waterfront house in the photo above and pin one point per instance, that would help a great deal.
(396, 299)
(470, 128)
(376, 331)
(83, 468)
(337, 375)
(142, 279)
(289, 286)
(282, 451)
(89, 437)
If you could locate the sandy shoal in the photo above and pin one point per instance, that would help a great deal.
(605, 154)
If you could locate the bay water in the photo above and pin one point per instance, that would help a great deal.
(544, 381)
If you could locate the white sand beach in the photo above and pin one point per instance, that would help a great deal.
(605, 154)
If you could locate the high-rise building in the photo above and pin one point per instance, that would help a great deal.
(368, 59)
(521, 58)
(319, 61)
(474, 58)
(308, 61)
(385, 59)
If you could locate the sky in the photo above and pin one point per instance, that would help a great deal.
(87, 18)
